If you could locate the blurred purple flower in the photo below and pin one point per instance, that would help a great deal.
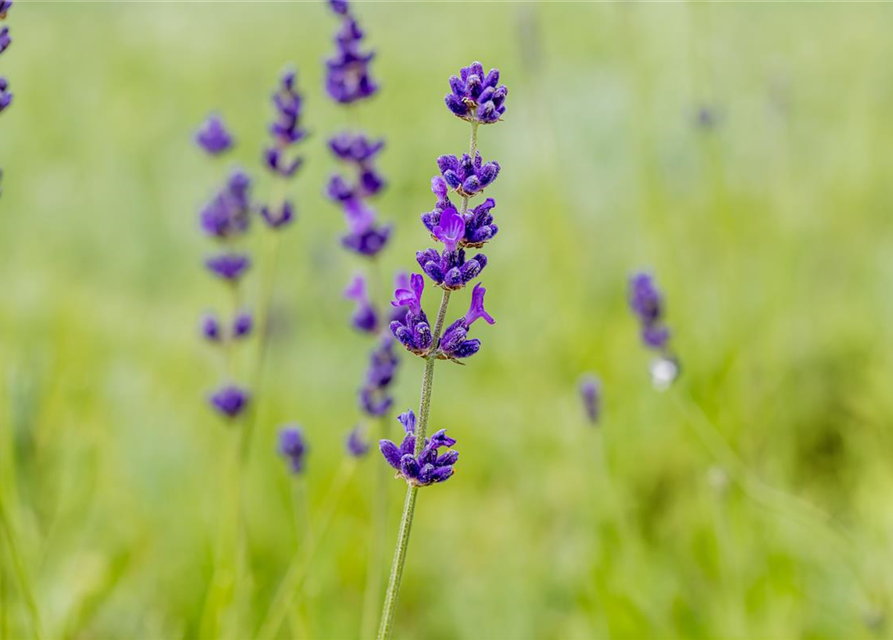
(229, 266)
(230, 401)
(590, 393)
(213, 136)
(356, 444)
(293, 447)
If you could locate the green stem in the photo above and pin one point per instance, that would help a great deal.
(19, 568)
(377, 543)
(297, 570)
(390, 601)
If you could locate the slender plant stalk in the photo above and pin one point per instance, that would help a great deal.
(390, 600)
(300, 564)
(377, 543)
(19, 568)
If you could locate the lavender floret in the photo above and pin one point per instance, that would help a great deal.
(228, 212)
(213, 136)
(450, 269)
(211, 329)
(364, 318)
(477, 97)
(229, 266)
(647, 303)
(5, 40)
(293, 447)
(454, 344)
(590, 394)
(243, 324)
(429, 467)
(5, 95)
(5, 6)
(466, 175)
(230, 401)
(278, 219)
(356, 444)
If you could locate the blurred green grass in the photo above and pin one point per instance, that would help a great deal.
(770, 234)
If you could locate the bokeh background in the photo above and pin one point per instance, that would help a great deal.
(741, 151)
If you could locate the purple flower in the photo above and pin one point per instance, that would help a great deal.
(590, 393)
(278, 219)
(355, 147)
(373, 396)
(5, 40)
(476, 97)
(286, 130)
(364, 236)
(228, 212)
(449, 269)
(479, 228)
(374, 402)
(647, 303)
(467, 175)
(211, 329)
(453, 344)
(5, 6)
(293, 447)
(369, 183)
(409, 294)
(429, 467)
(347, 71)
(243, 324)
(364, 318)
(356, 445)
(230, 401)
(213, 136)
(413, 330)
(450, 229)
(229, 266)
(5, 95)
(339, 6)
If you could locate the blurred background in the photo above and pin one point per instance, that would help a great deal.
(741, 152)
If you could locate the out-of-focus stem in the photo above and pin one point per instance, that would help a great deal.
(19, 568)
(297, 570)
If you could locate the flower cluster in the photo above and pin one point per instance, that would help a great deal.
(5, 42)
(451, 268)
(225, 219)
(375, 400)
(647, 304)
(429, 466)
(476, 97)
(348, 81)
(590, 393)
(293, 447)
(347, 71)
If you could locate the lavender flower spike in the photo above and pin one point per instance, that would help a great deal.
(429, 467)
(213, 136)
(365, 318)
(293, 447)
(286, 130)
(413, 331)
(347, 72)
(590, 393)
(476, 97)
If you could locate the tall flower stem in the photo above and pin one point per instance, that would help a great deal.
(19, 568)
(300, 564)
(390, 601)
(377, 542)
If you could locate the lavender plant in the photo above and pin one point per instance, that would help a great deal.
(477, 98)
(647, 304)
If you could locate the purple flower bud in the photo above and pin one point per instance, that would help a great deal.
(5, 6)
(369, 242)
(467, 175)
(213, 136)
(228, 212)
(647, 303)
(374, 402)
(429, 467)
(230, 267)
(275, 161)
(276, 220)
(364, 318)
(477, 97)
(5, 95)
(243, 324)
(293, 447)
(5, 40)
(230, 401)
(355, 148)
(211, 328)
(590, 392)
(339, 6)
(356, 445)
(449, 269)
